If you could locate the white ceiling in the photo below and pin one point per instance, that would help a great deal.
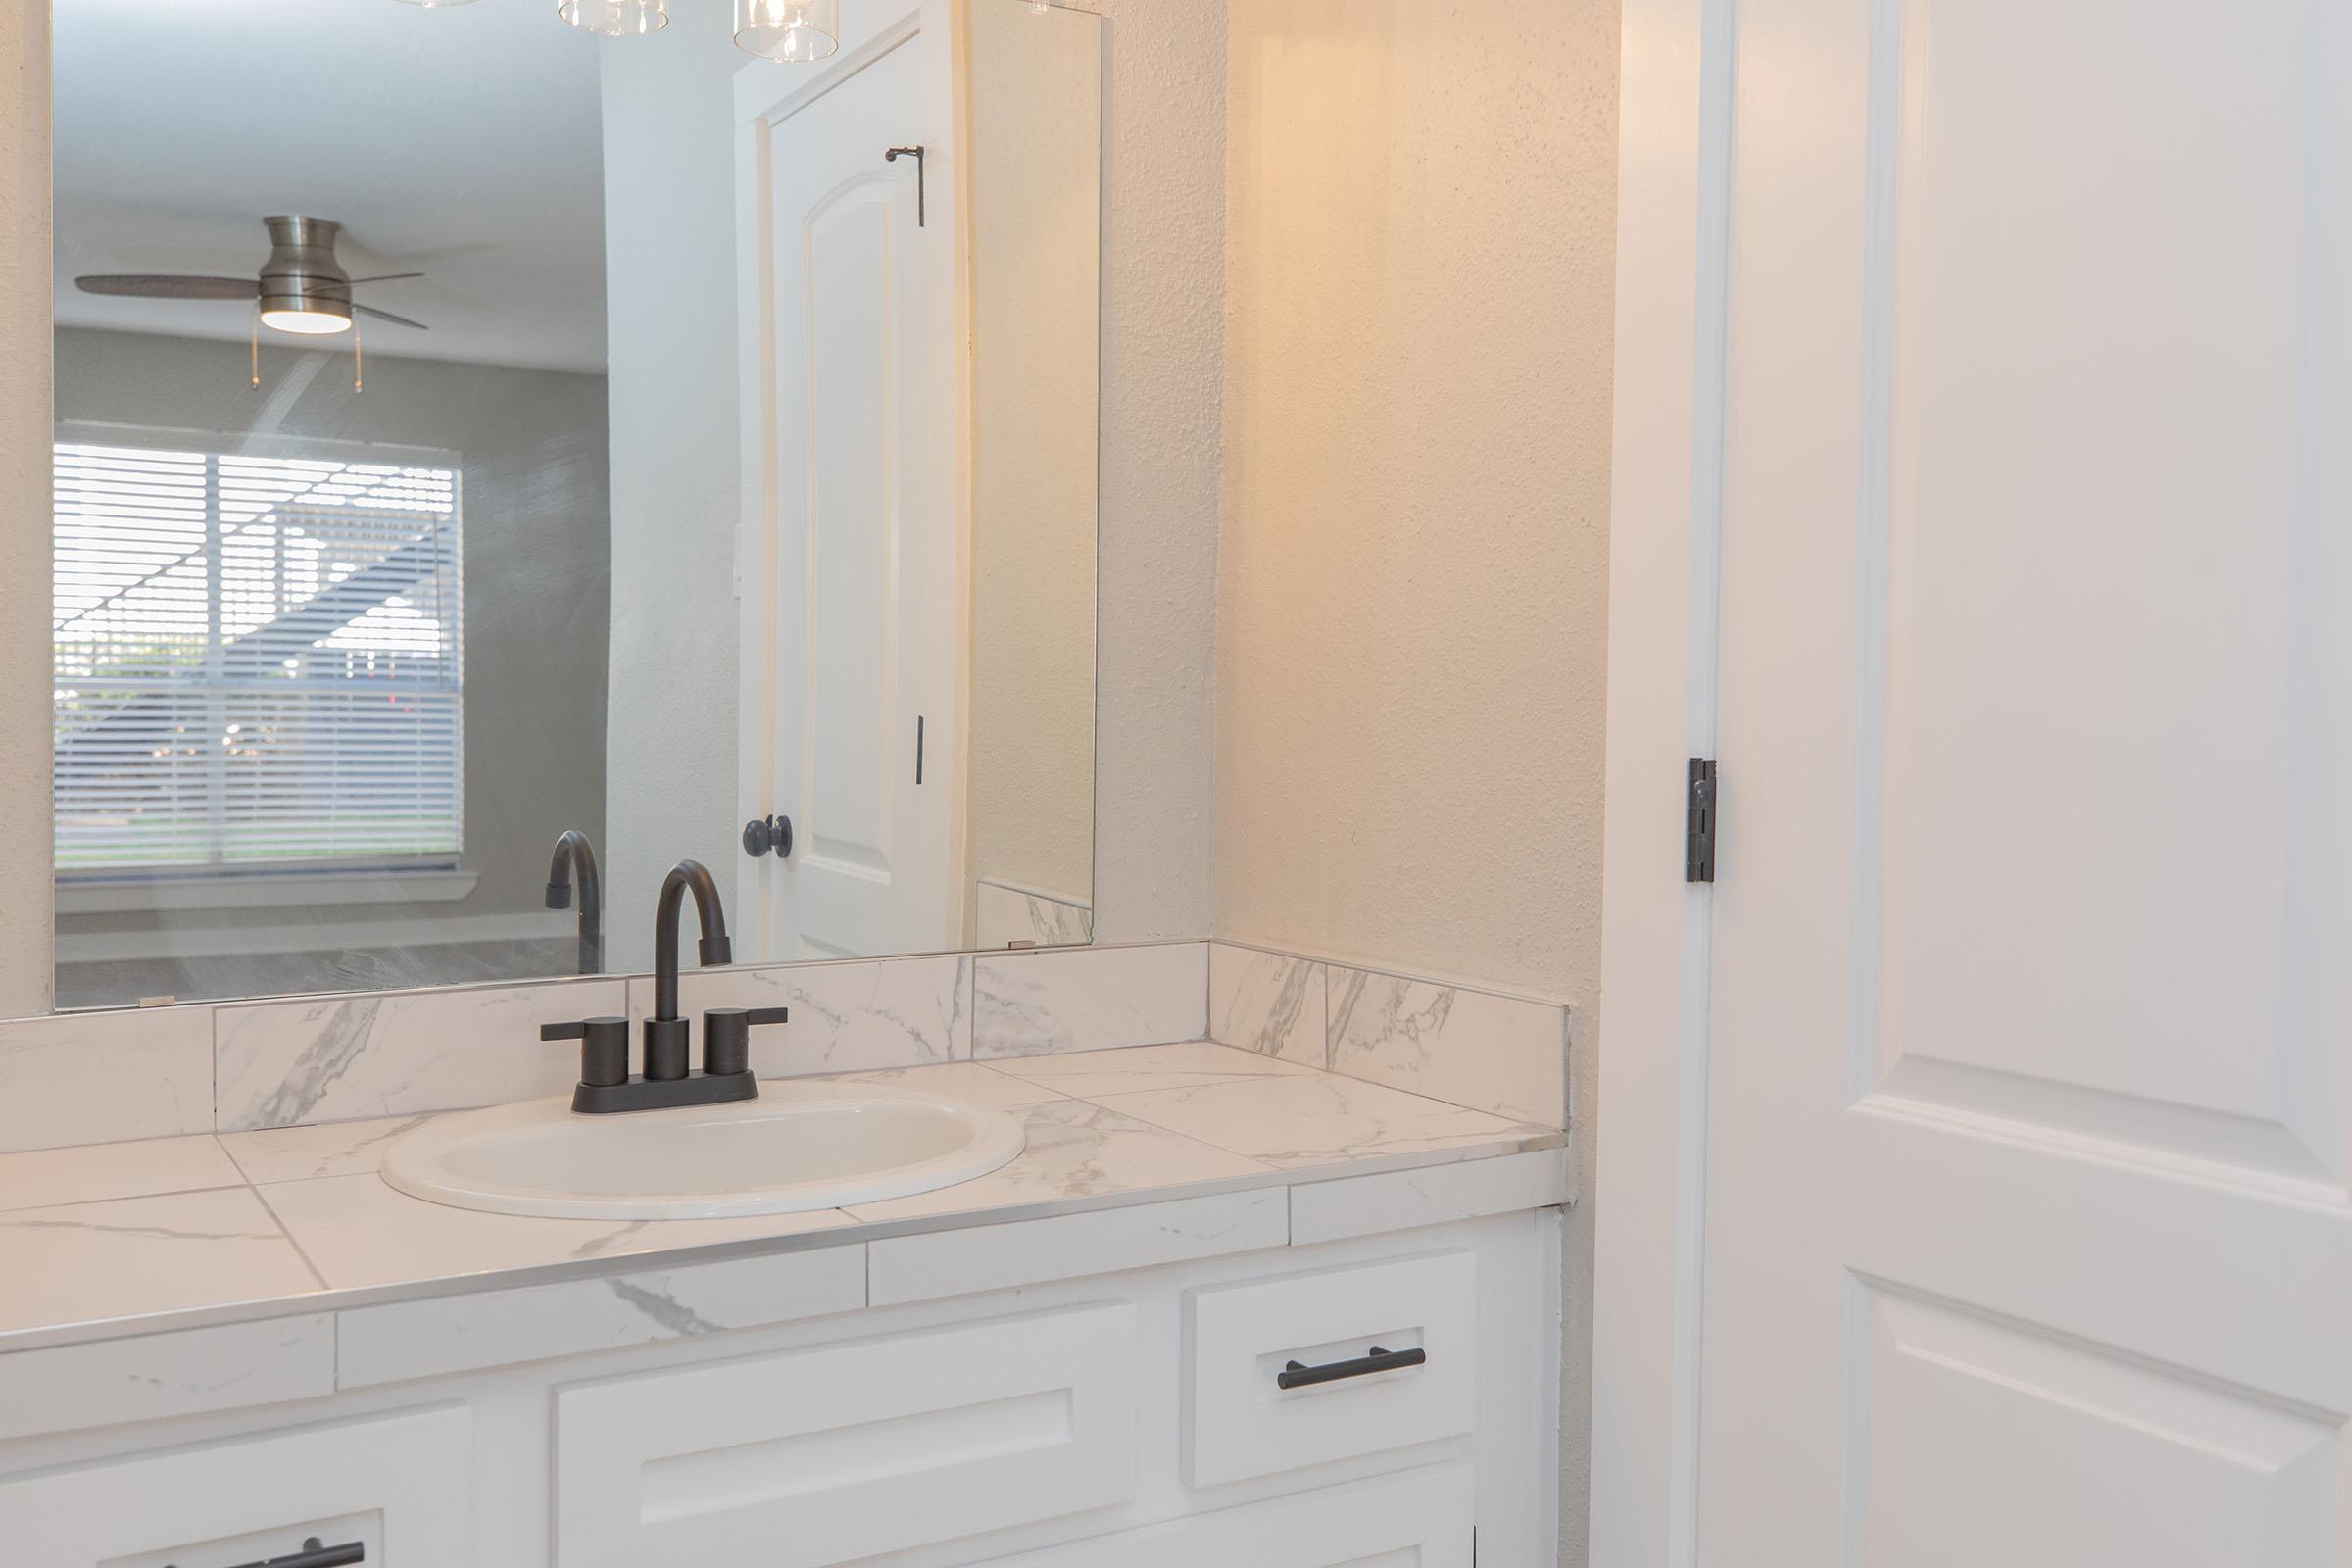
(463, 141)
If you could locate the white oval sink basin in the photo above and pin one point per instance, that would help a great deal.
(801, 1145)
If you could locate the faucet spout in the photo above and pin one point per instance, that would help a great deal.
(687, 876)
(576, 860)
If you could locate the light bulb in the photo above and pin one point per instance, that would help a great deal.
(309, 323)
(616, 18)
(790, 30)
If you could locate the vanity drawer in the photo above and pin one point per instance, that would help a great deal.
(400, 1486)
(845, 1452)
(1420, 1519)
(1344, 1400)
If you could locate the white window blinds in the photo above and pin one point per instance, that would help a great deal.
(256, 660)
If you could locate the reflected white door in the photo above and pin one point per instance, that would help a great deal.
(2026, 1226)
(850, 516)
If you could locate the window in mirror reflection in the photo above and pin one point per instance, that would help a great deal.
(257, 661)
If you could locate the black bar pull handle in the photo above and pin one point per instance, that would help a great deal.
(1299, 1375)
(315, 1555)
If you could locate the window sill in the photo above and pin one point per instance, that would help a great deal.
(266, 891)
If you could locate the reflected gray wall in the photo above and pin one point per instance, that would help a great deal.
(669, 352)
(536, 566)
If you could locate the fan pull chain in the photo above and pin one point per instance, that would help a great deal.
(356, 353)
(257, 343)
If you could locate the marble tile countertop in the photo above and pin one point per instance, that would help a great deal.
(119, 1239)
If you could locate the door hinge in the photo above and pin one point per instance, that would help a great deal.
(1698, 822)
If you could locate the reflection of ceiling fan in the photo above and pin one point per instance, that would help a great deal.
(302, 287)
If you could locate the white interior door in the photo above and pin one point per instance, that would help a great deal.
(2008, 1067)
(852, 524)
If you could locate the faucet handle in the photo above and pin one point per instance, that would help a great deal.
(604, 1048)
(727, 1036)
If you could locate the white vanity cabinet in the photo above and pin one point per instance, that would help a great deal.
(1124, 1420)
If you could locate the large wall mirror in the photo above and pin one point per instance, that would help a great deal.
(472, 429)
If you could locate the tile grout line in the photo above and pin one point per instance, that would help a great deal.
(10, 1216)
(1331, 1046)
(1208, 990)
(1170, 1132)
(279, 1220)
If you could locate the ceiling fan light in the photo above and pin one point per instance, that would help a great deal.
(309, 323)
(794, 31)
(615, 19)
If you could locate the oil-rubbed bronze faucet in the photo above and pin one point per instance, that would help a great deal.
(606, 1084)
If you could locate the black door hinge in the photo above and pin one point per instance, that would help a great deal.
(1698, 822)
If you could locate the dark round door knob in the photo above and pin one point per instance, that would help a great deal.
(762, 834)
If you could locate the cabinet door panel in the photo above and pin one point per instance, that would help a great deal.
(402, 1483)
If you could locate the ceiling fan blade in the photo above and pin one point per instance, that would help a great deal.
(387, 316)
(170, 286)
(384, 278)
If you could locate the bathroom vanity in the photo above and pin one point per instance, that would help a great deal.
(719, 518)
(1318, 1326)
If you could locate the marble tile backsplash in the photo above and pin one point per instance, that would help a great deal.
(1269, 1002)
(1467, 1047)
(1083, 998)
(98, 1078)
(339, 1058)
(846, 1017)
(250, 1067)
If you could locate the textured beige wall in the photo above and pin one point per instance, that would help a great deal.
(24, 838)
(1413, 563)
(1033, 163)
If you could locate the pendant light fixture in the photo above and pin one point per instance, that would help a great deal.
(796, 31)
(615, 19)
(791, 30)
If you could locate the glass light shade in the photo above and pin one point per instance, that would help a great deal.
(616, 18)
(309, 323)
(793, 30)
